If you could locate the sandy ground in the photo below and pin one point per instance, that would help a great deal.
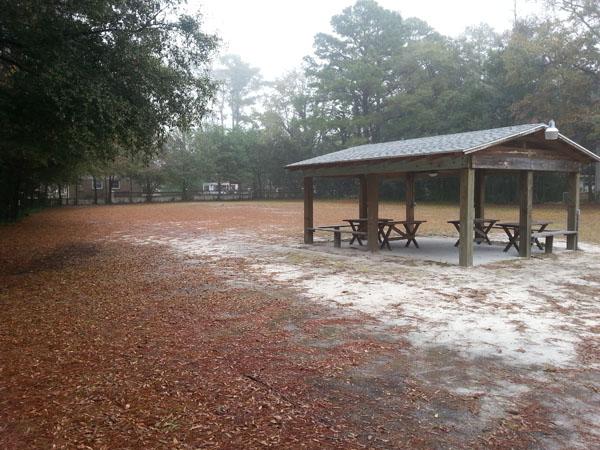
(504, 331)
(503, 355)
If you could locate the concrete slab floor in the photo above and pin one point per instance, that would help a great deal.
(442, 250)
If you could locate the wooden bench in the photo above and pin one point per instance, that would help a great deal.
(337, 233)
(549, 236)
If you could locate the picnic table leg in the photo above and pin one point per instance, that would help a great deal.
(354, 236)
(536, 241)
(457, 226)
(408, 234)
(478, 232)
(486, 233)
(411, 233)
(512, 239)
(515, 242)
(358, 239)
(385, 237)
(381, 235)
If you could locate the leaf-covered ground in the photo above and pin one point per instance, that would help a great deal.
(106, 343)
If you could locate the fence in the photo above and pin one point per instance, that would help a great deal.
(120, 197)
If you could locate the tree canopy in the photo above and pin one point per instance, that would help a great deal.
(87, 81)
(81, 81)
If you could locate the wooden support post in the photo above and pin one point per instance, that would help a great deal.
(362, 197)
(526, 205)
(549, 244)
(308, 210)
(573, 210)
(373, 212)
(480, 194)
(337, 237)
(597, 181)
(467, 211)
(362, 202)
(410, 196)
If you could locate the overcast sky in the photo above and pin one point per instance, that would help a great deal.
(274, 35)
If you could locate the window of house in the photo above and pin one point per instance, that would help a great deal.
(116, 184)
(97, 184)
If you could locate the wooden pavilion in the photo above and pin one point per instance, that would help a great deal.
(521, 149)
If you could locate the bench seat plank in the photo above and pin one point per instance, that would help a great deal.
(547, 233)
(333, 230)
(549, 236)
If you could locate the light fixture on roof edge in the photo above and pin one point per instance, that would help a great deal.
(551, 132)
(433, 174)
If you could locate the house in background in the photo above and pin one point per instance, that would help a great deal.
(225, 188)
(103, 190)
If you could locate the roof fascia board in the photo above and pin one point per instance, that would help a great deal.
(415, 164)
(581, 148)
(370, 160)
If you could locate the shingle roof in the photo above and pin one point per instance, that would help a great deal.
(432, 145)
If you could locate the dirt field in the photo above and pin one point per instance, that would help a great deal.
(211, 326)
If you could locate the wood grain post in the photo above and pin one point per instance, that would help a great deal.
(597, 180)
(410, 196)
(362, 202)
(549, 244)
(573, 210)
(467, 212)
(480, 194)
(525, 211)
(308, 210)
(337, 237)
(373, 212)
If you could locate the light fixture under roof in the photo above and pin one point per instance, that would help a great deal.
(551, 133)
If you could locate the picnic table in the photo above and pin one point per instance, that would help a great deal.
(512, 231)
(409, 232)
(359, 225)
(385, 229)
(482, 229)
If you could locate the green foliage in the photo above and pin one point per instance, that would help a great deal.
(84, 81)
(182, 166)
(239, 83)
(97, 81)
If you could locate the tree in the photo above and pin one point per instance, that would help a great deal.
(356, 69)
(239, 81)
(81, 80)
(183, 166)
